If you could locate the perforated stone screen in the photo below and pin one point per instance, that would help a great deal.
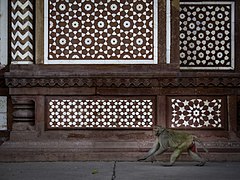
(207, 35)
(82, 112)
(196, 112)
(101, 31)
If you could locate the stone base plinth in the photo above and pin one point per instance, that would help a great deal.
(100, 151)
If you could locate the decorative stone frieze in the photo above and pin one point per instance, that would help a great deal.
(81, 82)
(200, 82)
(14, 82)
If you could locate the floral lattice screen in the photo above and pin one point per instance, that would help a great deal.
(201, 112)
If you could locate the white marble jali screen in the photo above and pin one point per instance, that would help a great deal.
(207, 35)
(101, 31)
(196, 112)
(81, 112)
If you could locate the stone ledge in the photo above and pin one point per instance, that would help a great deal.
(114, 76)
(107, 151)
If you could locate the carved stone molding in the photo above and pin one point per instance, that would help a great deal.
(23, 113)
(81, 82)
(123, 82)
(134, 76)
(200, 82)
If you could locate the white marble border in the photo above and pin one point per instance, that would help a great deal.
(3, 33)
(155, 44)
(232, 36)
(168, 31)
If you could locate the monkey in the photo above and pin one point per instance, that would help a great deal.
(179, 141)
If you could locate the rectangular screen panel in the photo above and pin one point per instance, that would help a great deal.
(207, 35)
(101, 32)
(104, 113)
(203, 112)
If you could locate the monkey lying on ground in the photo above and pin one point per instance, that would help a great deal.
(179, 141)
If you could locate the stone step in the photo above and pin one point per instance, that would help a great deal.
(101, 151)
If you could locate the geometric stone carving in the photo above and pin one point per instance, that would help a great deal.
(201, 112)
(101, 81)
(110, 113)
(22, 31)
(207, 35)
(101, 31)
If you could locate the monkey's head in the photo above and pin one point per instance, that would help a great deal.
(158, 130)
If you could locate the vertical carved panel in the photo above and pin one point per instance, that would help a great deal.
(22, 31)
(113, 113)
(207, 35)
(201, 112)
(101, 31)
(23, 113)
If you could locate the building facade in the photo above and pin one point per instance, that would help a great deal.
(89, 79)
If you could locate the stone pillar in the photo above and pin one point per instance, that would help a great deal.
(22, 31)
(23, 114)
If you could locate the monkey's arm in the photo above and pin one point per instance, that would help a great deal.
(151, 152)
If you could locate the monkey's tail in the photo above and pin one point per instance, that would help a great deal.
(195, 138)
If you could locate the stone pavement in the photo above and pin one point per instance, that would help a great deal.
(97, 170)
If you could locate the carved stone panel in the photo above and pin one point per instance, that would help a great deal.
(196, 112)
(207, 35)
(100, 112)
(101, 31)
(23, 113)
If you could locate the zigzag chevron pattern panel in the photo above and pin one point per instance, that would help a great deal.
(197, 112)
(94, 112)
(101, 31)
(22, 32)
(207, 35)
